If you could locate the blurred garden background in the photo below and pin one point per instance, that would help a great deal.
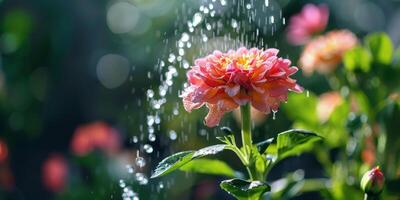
(89, 97)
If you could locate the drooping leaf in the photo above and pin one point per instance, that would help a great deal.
(293, 142)
(381, 47)
(245, 190)
(172, 163)
(209, 166)
(357, 58)
(177, 160)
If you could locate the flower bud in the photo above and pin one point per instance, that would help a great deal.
(373, 181)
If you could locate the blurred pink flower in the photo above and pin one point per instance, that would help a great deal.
(3, 151)
(324, 53)
(311, 20)
(224, 81)
(55, 173)
(96, 135)
(327, 104)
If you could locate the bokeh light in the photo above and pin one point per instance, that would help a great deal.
(112, 70)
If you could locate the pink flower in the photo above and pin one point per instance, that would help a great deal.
(311, 20)
(324, 53)
(224, 81)
(54, 173)
(96, 135)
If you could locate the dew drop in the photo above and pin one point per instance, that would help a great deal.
(161, 185)
(197, 17)
(140, 162)
(185, 37)
(135, 139)
(172, 135)
(152, 137)
(130, 169)
(148, 148)
(274, 114)
(122, 183)
(234, 23)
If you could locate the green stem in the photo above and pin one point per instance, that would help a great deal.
(246, 125)
(246, 136)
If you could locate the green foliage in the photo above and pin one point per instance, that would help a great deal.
(259, 164)
(285, 144)
(333, 130)
(380, 47)
(357, 58)
(302, 108)
(245, 190)
(208, 166)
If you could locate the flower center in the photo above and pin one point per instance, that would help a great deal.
(245, 61)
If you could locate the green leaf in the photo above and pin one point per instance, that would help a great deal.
(258, 164)
(172, 163)
(381, 47)
(293, 142)
(208, 166)
(245, 190)
(211, 150)
(177, 160)
(262, 146)
(357, 58)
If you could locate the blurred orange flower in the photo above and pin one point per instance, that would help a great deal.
(324, 53)
(96, 135)
(224, 81)
(368, 154)
(54, 173)
(327, 104)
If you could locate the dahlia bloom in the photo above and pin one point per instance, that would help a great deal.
(311, 20)
(324, 53)
(225, 81)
